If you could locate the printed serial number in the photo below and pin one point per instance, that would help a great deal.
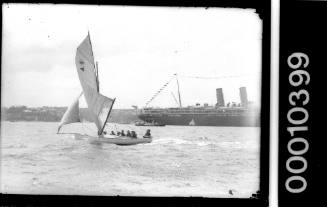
(297, 116)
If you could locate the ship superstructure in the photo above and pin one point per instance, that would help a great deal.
(232, 114)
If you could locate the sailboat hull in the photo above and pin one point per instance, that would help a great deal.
(121, 140)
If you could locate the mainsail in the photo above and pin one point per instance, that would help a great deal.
(72, 114)
(99, 105)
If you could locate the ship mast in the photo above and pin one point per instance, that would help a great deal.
(179, 95)
(174, 98)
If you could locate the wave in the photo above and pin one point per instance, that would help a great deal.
(23, 156)
(170, 140)
(16, 146)
(179, 141)
(230, 144)
(238, 145)
(202, 142)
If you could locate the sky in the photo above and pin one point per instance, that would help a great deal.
(139, 49)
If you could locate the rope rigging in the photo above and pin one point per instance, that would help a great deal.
(192, 77)
(158, 92)
(219, 77)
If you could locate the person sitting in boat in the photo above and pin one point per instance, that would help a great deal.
(104, 132)
(147, 134)
(118, 133)
(122, 133)
(112, 133)
(134, 135)
(128, 133)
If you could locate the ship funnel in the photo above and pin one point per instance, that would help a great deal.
(220, 97)
(243, 96)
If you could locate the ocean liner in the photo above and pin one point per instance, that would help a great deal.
(242, 114)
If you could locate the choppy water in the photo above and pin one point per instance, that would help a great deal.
(181, 161)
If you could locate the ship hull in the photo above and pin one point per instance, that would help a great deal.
(202, 120)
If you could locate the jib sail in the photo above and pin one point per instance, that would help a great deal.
(72, 114)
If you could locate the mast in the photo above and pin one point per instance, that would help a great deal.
(174, 98)
(179, 95)
(97, 75)
(101, 131)
(88, 34)
(94, 64)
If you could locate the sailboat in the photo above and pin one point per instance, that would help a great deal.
(192, 123)
(99, 106)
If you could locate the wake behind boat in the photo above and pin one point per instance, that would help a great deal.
(99, 106)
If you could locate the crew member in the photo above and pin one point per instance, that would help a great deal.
(134, 135)
(128, 133)
(147, 134)
(122, 133)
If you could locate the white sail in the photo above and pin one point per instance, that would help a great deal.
(84, 61)
(72, 114)
(99, 105)
(192, 122)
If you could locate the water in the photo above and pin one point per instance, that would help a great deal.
(181, 161)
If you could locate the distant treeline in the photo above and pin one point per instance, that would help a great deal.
(54, 114)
